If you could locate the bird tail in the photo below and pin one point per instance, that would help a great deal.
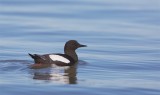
(35, 56)
(32, 55)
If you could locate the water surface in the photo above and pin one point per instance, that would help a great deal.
(122, 57)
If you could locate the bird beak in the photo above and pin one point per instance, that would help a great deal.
(82, 45)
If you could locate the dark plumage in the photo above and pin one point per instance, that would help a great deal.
(67, 59)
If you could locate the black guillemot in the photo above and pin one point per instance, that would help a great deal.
(69, 57)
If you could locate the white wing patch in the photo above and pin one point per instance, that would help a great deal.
(59, 58)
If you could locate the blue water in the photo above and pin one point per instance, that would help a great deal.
(122, 57)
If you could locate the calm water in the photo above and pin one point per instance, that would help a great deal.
(122, 57)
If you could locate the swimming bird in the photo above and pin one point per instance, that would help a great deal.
(69, 57)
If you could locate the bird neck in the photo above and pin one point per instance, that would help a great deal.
(72, 53)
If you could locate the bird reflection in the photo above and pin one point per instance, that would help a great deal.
(65, 75)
